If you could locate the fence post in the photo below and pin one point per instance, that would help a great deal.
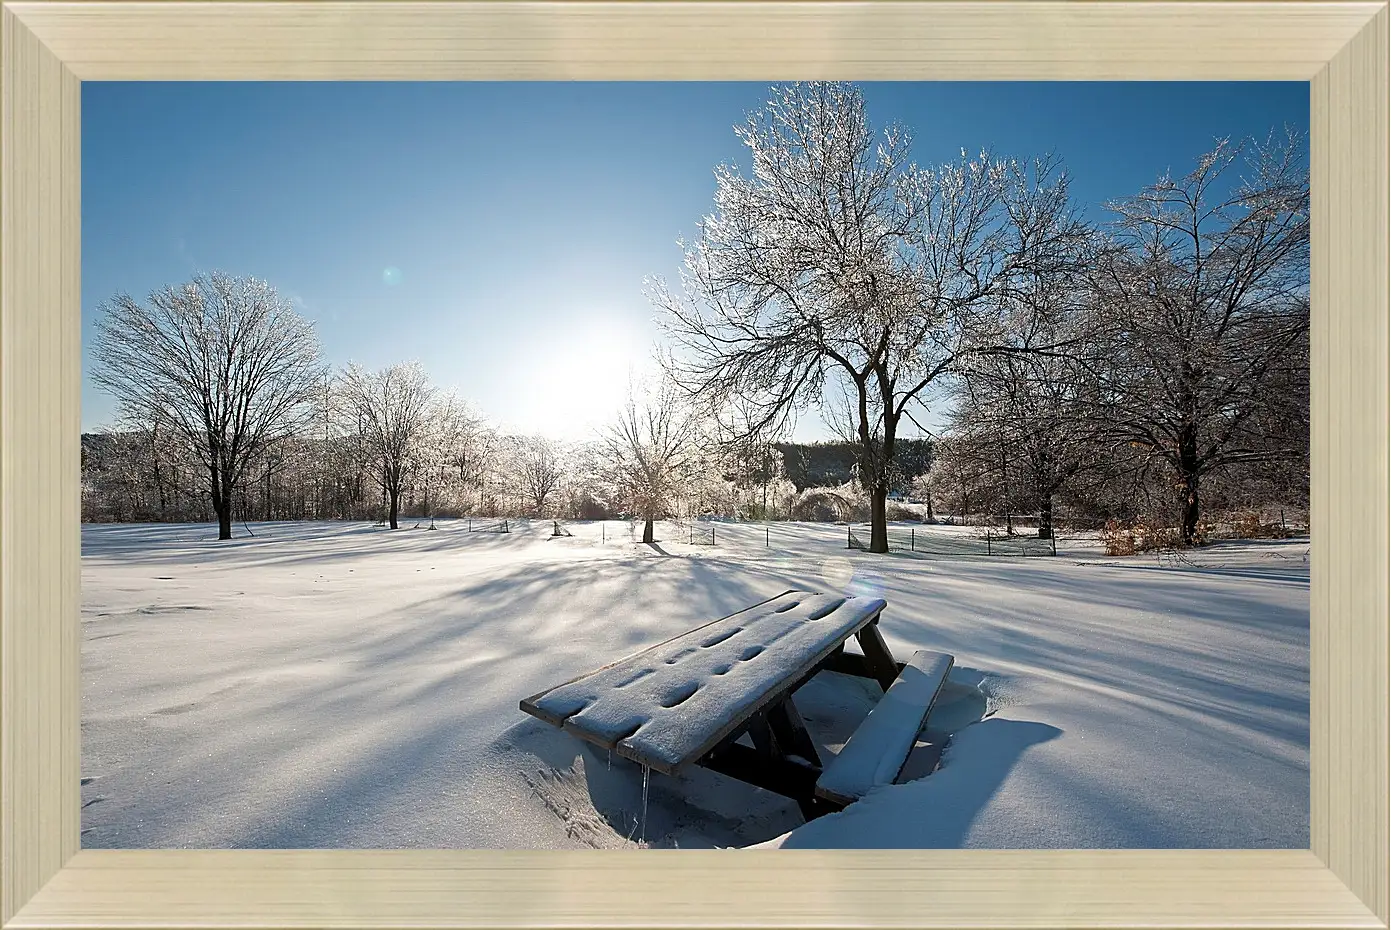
(987, 542)
(912, 539)
(848, 537)
(470, 524)
(1053, 542)
(767, 539)
(603, 537)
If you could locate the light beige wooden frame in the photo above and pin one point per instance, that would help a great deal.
(48, 48)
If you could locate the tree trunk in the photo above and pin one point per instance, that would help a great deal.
(222, 507)
(878, 519)
(1045, 517)
(395, 507)
(647, 534)
(1190, 509)
(1188, 474)
(928, 516)
(159, 486)
(220, 493)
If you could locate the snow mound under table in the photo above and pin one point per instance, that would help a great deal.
(667, 706)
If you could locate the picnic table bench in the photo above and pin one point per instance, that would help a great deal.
(687, 701)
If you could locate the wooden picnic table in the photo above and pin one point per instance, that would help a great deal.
(687, 700)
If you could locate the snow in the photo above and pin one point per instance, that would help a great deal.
(668, 705)
(334, 685)
(880, 746)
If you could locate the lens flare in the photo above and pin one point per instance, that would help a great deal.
(837, 573)
(391, 276)
(866, 583)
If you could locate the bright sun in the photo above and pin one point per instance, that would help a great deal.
(580, 379)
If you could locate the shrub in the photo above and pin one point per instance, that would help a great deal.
(831, 505)
(1122, 538)
(899, 512)
(1249, 524)
(1119, 538)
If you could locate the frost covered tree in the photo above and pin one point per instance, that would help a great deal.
(1018, 423)
(467, 444)
(390, 409)
(222, 360)
(654, 451)
(1202, 321)
(538, 468)
(754, 468)
(837, 268)
(1021, 410)
(431, 453)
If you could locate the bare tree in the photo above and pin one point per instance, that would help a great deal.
(654, 450)
(1021, 409)
(838, 264)
(223, 360)
(1203, 311)
(753, 468)
(466, 444)
(538, 469)
(1018, 420)
(390, 408)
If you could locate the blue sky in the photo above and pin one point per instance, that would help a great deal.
(500, 233)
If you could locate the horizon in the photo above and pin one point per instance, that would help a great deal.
(501, 233)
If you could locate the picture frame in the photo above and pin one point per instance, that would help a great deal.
(49, 48)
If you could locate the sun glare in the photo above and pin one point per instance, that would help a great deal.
(580, 379)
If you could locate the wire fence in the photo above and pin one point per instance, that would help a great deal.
(947, 536)
(927, 539)
(984, 541)
(700, 535)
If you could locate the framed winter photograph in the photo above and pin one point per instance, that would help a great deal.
(451, 446)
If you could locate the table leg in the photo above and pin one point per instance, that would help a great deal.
(761, 732)
(788, 777)
(877, 655)
(790, 730)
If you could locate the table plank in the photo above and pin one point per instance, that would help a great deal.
(667, 706)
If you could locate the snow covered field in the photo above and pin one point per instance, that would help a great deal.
(342, 685)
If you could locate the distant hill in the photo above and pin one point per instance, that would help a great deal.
(825, 464)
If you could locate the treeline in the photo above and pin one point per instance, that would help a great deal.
(459, 465)
(452, 462)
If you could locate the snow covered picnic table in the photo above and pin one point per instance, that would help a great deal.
(688, 700)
